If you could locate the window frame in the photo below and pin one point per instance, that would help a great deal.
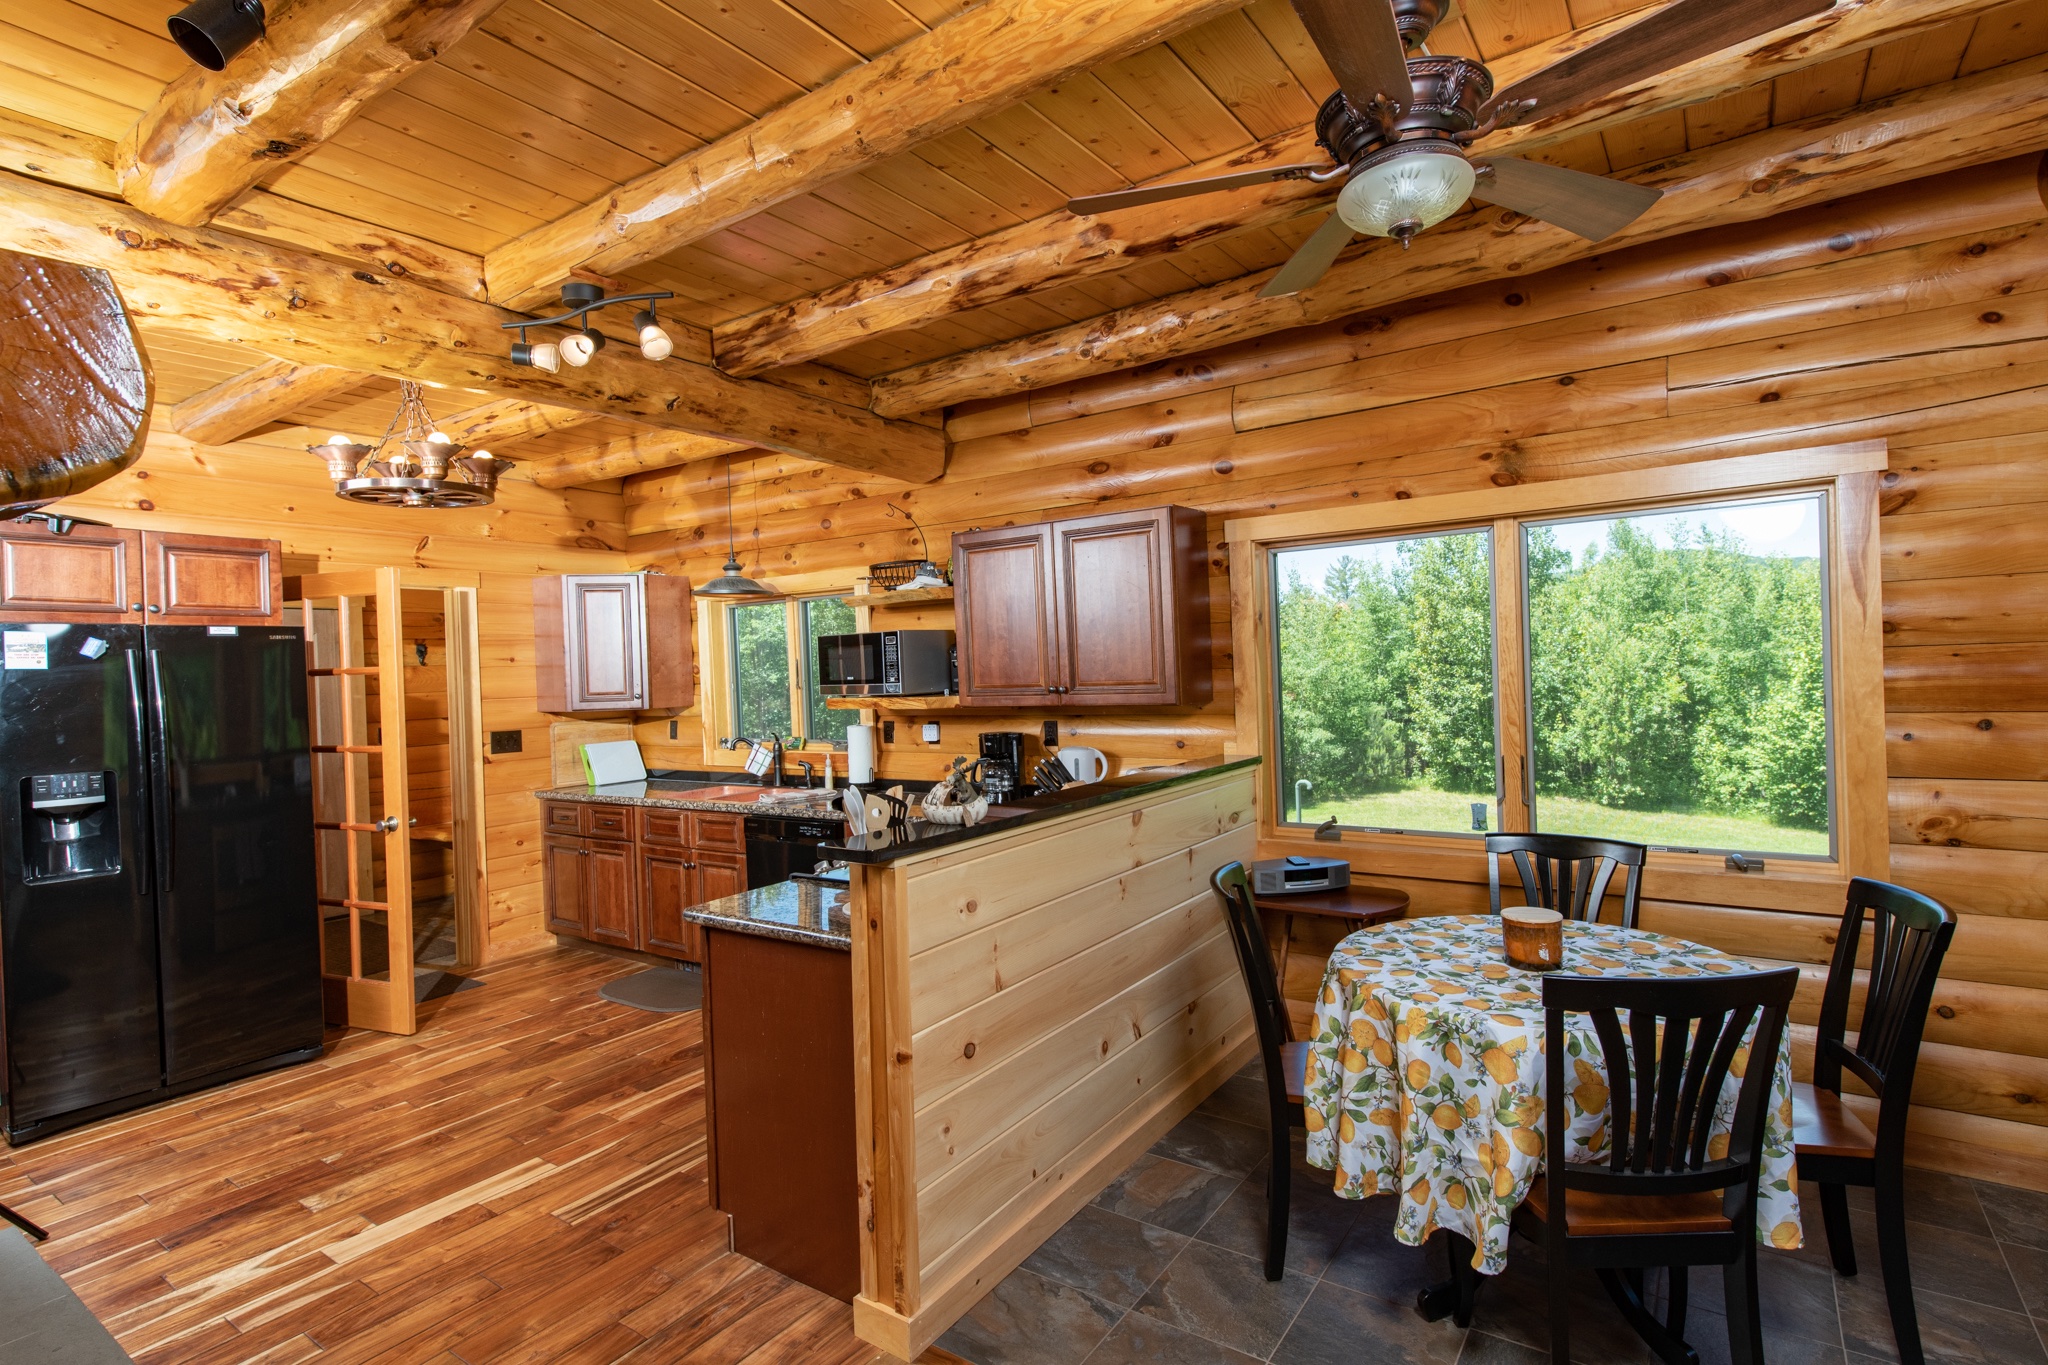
(1848, 477)
(719, 642)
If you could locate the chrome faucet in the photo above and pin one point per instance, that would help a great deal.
(774, 778)
(810, 772)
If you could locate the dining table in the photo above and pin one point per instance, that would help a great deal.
(1426, 1077)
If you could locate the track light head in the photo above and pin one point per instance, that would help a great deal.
(212, 31)
(655, 343)
(543, 356)
(581, 346)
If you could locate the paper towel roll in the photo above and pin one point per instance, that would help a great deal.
(860, 753)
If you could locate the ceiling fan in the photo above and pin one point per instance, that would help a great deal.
(1398, 126)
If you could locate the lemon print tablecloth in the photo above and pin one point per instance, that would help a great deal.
(1425, 1075)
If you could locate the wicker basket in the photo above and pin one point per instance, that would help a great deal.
(895, 573)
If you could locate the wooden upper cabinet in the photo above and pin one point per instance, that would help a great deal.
(1094, 611)
(1006, 621)
(90, 573)
(212, 580)
(158, 578)
(613, 642)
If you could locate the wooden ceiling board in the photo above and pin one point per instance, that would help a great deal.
(1098, 118)
(1175, 101)
(1503, 26)
(1925, 58)
(1034, 141)
(494, 61)
(777, 35)
(431, 159)
(1827, 88)
(505, 154)
(869, 27)
(430, 207)
(1282, 29)
(463, 96)
(861, 194)
(834, 258)
(184, 363)
(54, 102)
(699, 299)
(985, 168)
(143, 46)
(968, 210)
(1233, 59)
(680, 44)
(793, 272)
(1650, 138)
(102, 82)
(574, 46)
(1588, 12)
(861, 237)
(1731, 116)
(2006, 34)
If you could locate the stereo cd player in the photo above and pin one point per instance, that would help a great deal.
(1281, 876)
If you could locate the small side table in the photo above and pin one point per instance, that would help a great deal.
(1364, 906)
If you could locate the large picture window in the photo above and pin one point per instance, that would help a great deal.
(1665, 674)
(1385, 680)
(772, 668)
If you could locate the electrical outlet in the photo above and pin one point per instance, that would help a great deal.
(506, 741)
(931, 732)
(1051, 733)
(888, 732)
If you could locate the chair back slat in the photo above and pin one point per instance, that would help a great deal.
(1568, 874)
(1909, 937)
(1666, 1067)
(1255, 961)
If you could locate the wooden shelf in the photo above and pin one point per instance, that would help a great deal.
(893, 703)
(902, 597)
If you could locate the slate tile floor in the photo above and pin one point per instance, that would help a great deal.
(1164, 1268)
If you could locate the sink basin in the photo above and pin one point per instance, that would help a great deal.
(732, 793)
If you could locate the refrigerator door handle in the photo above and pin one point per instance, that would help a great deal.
(163, 772)
(141, 812)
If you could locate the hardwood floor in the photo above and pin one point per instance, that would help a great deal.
(523, 1180)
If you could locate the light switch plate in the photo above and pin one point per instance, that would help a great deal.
(931, 732)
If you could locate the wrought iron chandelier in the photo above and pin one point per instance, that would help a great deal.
(411, 464)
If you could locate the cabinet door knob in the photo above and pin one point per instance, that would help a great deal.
(154, 607)
(388, 824)
(135, 606)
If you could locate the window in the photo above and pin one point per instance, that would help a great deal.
(774, 685)
(1385, 679)
(1658, 676)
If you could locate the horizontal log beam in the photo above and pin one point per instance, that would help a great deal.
(630, 455)
(1060, 247)
(213, 134)
(1965, 122)
(312, 311)
(507, 421)
(255, 398)
(974, 64)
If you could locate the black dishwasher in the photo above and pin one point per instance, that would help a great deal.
(778, 845)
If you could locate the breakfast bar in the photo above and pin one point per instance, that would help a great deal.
(1036, 999)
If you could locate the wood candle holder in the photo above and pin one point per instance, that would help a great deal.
(1532, 938)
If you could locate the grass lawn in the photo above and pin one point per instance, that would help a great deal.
(1452, 811)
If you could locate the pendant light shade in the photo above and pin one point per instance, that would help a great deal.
(730, 581)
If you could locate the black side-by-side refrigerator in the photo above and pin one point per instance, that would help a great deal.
(158, 925)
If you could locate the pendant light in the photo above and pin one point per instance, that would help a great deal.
(730, 581)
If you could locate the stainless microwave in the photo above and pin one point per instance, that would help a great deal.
(886, 663)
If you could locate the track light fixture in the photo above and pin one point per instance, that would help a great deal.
(582, 299)
(212, 31)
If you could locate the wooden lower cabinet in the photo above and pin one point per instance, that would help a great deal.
(623, 876)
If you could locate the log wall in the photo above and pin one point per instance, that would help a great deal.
(1918, 315)
(270, 487)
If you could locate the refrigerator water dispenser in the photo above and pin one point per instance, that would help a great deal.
(71, 830)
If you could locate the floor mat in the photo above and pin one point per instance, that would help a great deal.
(665, 990)
(431, 983)
(41, 1320)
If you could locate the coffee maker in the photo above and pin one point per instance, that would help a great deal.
(1002, 763)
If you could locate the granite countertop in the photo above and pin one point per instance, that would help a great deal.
(797, 911)
(731, 798)
(922, 836)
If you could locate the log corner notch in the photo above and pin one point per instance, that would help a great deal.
(213, 134)
(973, 64)
(74, 382)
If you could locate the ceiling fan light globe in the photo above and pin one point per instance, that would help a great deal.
(1410, 192)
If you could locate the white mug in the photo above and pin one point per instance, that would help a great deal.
(1087, 765)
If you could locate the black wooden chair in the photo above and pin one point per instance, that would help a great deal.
(1659, 1199)
(1286, 1061)
(1565, 873)
(1909, 935)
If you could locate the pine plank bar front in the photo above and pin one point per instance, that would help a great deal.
(1035, 1002)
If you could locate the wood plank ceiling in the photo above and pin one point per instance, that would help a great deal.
(546, 107)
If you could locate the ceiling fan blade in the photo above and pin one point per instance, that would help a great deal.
(1311, 260)
(1360, 41)
(1181, 189)
(1593, 206)
(1674, 35)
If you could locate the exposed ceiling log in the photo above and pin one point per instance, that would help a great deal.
(1982, 118)
(632, 455)
(311, 311)
(975, 64)
(213, 134)
(1059, 247)
(507, 421)
(253, 399)
(47, 151)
